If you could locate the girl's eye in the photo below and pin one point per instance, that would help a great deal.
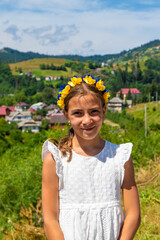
(94, 112)
(77, 113)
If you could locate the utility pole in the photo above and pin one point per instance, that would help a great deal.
(156, 98)
(145, 119)
(149, 97)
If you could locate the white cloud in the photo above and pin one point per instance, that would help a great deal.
(13, 31)
(60, 30)
(87, 44)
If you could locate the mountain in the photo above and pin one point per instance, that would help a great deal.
(9, 55)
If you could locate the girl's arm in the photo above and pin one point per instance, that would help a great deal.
(50, 199)
(131, 203)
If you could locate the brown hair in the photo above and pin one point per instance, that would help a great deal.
(65, 144)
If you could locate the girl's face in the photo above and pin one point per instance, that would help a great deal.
(86, 114)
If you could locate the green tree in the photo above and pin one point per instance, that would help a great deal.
(48, 95)
(129, 95)
(121, 95)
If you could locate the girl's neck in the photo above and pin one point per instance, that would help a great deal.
(87, 147)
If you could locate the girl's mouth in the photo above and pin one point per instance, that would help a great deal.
(88, 129)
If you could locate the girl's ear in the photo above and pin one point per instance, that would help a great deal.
(66, 114)
(104, 110)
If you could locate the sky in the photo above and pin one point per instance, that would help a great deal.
(83, 27)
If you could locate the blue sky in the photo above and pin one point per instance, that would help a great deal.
(83, 27)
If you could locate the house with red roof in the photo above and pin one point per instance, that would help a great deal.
(134, 92)
(5, 111)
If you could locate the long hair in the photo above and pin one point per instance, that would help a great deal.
(65, 144)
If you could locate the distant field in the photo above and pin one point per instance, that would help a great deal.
(33, 66)
(153, 112)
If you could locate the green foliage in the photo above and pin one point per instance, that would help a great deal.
(19, 166)
(153, 63)
(43, 66)
(45, 124)
(48, 95)
(42, 112)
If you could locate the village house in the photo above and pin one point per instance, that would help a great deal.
(29, 74)
(116, 104)
(57, 118)
(29, 125)
(5, 111)
(103, 64)
(134, 92)
(98, 69)
(39, 105)
(57, 78)
(48, 78)
(18, 116)
(53, 112)
(38, 79)
(21, 106)
(51, 107)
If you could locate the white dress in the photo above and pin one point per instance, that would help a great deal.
(90, 192)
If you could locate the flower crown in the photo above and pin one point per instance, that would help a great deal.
(65, 89)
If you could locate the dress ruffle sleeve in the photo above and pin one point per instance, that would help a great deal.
(49, 147)
(125, 152)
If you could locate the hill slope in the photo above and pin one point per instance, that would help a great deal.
(153, 112)
(9, 55)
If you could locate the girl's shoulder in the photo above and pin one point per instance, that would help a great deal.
(121, 151)
(123, 147)
(50, 147)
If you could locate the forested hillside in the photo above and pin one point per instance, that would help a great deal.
(142, 71)
(9, 55)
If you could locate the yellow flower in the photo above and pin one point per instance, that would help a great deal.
(74, 81)
(89, 80)
(65, 91)
(106, 95)
(60, 103)
(100, 86)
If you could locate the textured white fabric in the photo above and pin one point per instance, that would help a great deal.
(89, 192)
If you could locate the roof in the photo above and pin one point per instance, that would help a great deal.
(38, 105)
(22, 104)
(29, 123)
(116, 100)
(132, 90)
(3, 110)
(24, 113)
(58, 118)
(53, 112)
(51, 106)
(12, 115)
(31, 110)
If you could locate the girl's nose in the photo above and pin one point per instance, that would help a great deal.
(86, 119)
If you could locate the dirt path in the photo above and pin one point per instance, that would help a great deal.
(108, 122)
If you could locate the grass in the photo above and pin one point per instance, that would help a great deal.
(148, 182)
(33, 66)
(34, 63)
(153, 112)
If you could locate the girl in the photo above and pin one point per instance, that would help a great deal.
(83, 175)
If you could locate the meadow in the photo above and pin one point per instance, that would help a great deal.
(33, 66)
(153, 112)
